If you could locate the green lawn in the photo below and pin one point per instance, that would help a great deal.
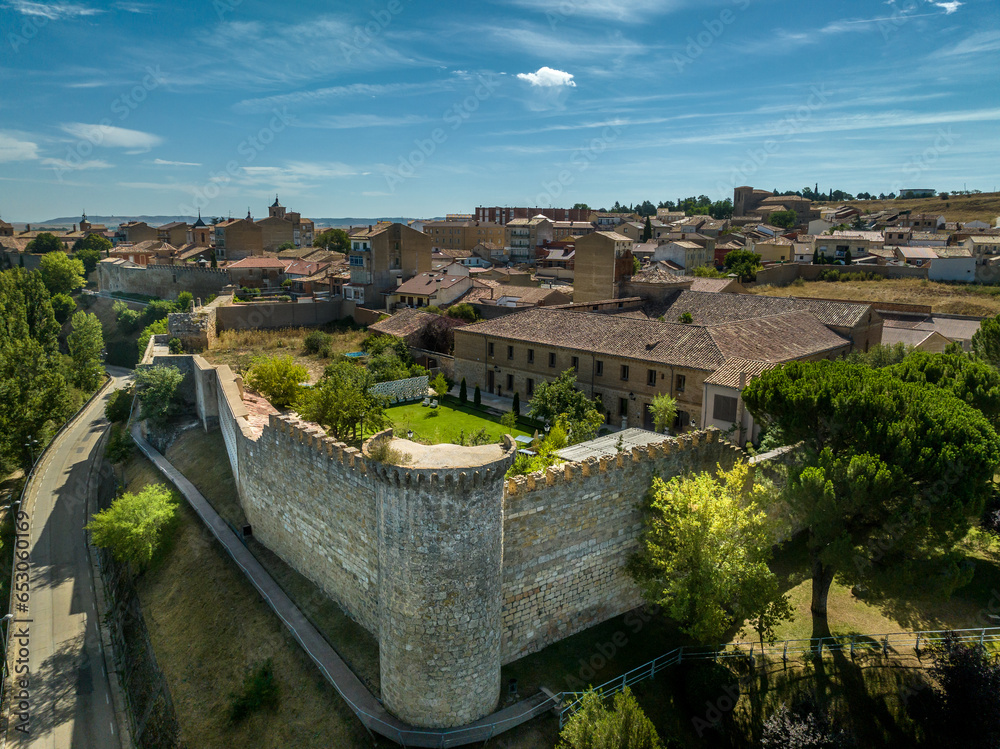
(445, 423)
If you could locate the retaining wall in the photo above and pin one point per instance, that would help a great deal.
(164, 281)
(261, 315)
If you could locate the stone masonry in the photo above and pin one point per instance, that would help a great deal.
(455, 570)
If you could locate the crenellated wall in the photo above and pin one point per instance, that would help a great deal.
(456, 570)
(569, 531)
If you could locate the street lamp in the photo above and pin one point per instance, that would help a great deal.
(31, 444)
(409, 434)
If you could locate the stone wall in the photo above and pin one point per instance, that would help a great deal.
(263, 315)
(569, 531)
(782, 275)
(196, 330)
(412, 388)
(164, 281)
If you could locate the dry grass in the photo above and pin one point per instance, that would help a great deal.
(202, 458)
(955, 299)
(209, 626)
(984, 207)
(238, 348)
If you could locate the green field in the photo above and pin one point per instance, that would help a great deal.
(446, 423)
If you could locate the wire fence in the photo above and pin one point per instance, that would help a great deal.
(885, 644)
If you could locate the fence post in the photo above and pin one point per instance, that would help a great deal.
(680, 654)
(917, 648)
(885, 646)
(852, 647)
(784, 653)
(982, 637)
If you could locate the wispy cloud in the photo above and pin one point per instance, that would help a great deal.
(548, 77)
(133, 7)
(329, 93)
(76, 166)
(113, 137)
(982, 41)
(629, 12)
(296, 176)
(164, 162)
(52, 11)
(350, 121)
(13, 148)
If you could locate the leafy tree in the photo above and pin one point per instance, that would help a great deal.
(477, 397)
(333, 239)
(387, 366)
(157, 388)
(86, 343)
(440, 384)
(581, 207)
(622, 726)
(664, 411)
(463, 393)
(34, 394)
(973, 381)
(277, 378)
(463, 312)
(286, 246)
(185, 301)
(316, 340)
(707, 271)
(784, 219)
(376, 343)
(636, 265)
(560, 399)
(744, 263)
(963, 709)
(880, 355)
(61, 274)
(134, 526)
(127, 318)
(120, 446)
(44, 243)
(803, 726)
(93, 242)
(89, 258)
(888, 478)
(704, 554)
(157, 328)
(342, 403)
(63, 306)
(986, 341)
(119, 405)
(174, 346)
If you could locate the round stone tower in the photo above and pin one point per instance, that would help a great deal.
(440, 544)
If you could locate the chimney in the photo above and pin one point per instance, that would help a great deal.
(74, 228)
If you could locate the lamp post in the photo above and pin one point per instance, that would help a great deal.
(31, 444)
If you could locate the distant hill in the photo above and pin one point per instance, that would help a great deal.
(112, 221)
(983, 207)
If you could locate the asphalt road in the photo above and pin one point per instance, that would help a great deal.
(68, 693)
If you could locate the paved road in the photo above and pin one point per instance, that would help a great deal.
(68, 694)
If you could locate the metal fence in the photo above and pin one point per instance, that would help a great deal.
(886, 644)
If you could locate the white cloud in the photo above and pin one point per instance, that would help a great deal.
(949, 7)
(318, 96)
(983, 41)
(64, 165)
(15, 149)
(52, 11)
(349, 121)
(132, 7)
(113, 137)
(634, 11)
(548, 77)
(295, 176)
(164, 162)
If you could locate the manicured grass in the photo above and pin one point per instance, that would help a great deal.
(957, 299)
(445, 423)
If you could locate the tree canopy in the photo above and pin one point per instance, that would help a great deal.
(744, 263)
(278, 378)
(157, 389)
(86, 344)
(559, 400)
(44, 243)
(986, 341)
(342, 403)
(783, 219)
(889, 475)
(133, 527)
(624, 725)
(61, 274)
(704, 555)
(333, 239)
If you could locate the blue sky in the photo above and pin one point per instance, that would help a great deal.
(404, 107)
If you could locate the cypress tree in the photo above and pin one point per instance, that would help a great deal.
(477, 397)
(516, 406)
(463, 393)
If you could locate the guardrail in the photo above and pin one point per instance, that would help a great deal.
(884, 643)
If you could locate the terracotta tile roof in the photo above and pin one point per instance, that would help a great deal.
(713, 309)
(303, 267)
(908, 336)
(729, 374)
(406, 322)
(427, 283)
(258, 262)
(714, 285)
(950, 252)
(658, 274)
(614, 235)
(777, 338)
(528, 294)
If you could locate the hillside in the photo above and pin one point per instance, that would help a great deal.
(984, 207)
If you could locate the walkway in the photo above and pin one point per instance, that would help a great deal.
(364, 704)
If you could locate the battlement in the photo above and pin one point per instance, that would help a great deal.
(578, 471)
(312, 436)
(466, 476)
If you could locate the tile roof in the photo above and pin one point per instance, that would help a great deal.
(658, 274)
(427, 283)
(729, 374)
(303, 267)
(715, 285)
(526, 294)
(952, 252)
(406, 322)
(713, 309)
(258, 262)
(776, 338)
(909, 336)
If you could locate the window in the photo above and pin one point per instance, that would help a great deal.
(623, 407)
(531, 356)
(725, 408)
(651, 378)
(510, 352)
(576, 363)
(510, 382)
(531, 387)
(682, 420)
(600, 368)
(681, 381)
(491, 349)
(552, 359)
(625, 371)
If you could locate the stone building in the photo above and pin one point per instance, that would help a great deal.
(236, 239)
(381, 257)
(464, 235)
(602, 262)
(282, 226)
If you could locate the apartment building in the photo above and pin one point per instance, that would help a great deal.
(381, 255)
(464, 234)
(174, 233)
(133, 232)
(283, 226)
(526, 235)
(688, 255)
(235, 239)
(503, 215)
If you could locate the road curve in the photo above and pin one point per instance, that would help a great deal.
(68, 694)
